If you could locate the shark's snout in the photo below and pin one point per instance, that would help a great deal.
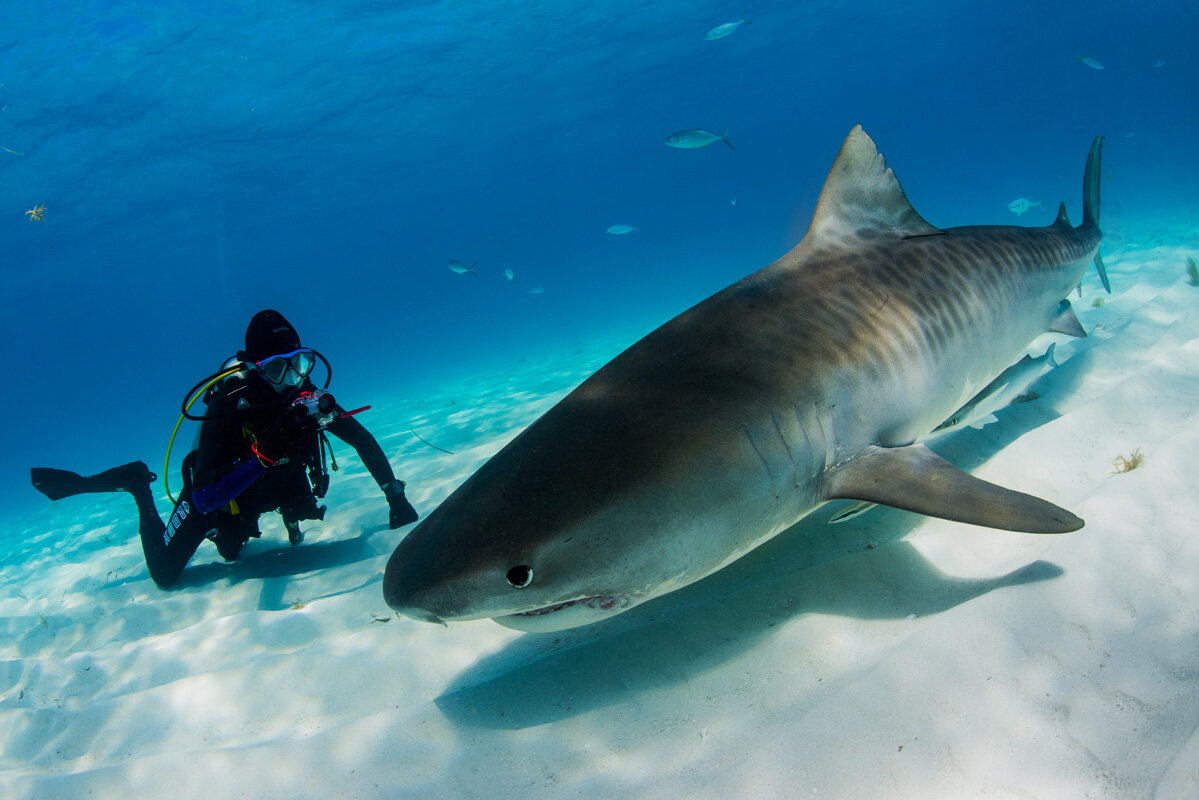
(401, 589)
(403, 600)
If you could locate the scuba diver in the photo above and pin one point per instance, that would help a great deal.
(262, 447)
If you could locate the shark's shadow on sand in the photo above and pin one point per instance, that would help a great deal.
(860, 568)
(275, 564)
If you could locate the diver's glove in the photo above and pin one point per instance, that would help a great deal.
(402, 512)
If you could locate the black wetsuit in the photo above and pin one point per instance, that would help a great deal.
(243, 411)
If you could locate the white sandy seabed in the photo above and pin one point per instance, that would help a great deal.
(890, 656)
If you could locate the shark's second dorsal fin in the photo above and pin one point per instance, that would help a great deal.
(1062, 218)
(861, 194)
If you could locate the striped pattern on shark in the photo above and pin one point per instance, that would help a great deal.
(813, 379)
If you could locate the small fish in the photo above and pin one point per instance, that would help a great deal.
(509, 274)
(1161, 62)
(10, 150)
(733, 202)
(1010, 385)
(693, 138)
(460, 268)
(620, 230)
(1090, 62)
(1022, 204)
(721, 31)
(537, 290)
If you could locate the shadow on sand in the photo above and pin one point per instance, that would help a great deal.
(275, 565)
(540, 679)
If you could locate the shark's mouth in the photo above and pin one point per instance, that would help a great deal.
(602, 602)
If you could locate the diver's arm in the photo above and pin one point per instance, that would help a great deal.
(352, 432)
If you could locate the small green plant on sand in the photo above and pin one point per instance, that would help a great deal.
(1098, 302)
(1192, 272)
(1129, 462)
(296, 605)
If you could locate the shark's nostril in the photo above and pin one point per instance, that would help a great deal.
(520, 576)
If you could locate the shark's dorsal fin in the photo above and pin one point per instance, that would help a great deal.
(861, 194)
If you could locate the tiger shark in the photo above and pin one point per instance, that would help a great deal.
(812, 379)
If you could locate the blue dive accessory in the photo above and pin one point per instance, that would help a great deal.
(215, 495)
(288, 369)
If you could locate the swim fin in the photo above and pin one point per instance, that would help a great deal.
(59, 483)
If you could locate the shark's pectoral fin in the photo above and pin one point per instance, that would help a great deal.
(915, 478)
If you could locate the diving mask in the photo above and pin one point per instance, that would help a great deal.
(288, 369)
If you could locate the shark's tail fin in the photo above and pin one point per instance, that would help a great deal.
(1090, 185)
(1090, 202)
(1107, 285)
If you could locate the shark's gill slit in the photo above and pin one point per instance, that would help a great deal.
(809, 448)
(762, 458)
(778, 428)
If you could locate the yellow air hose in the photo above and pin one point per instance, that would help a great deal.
(166, 467)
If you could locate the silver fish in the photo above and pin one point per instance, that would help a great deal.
(721, 31)
(999, 393)
(693, 138)
(460, 268)
(1022, 204)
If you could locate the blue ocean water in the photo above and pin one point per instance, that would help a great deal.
(199, 162)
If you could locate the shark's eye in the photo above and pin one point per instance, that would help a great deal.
(520, 577)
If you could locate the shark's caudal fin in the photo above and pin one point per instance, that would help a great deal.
(862, 194)
(916, 479)
(1107, 286)
(1090, 185)
(1090, 201)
